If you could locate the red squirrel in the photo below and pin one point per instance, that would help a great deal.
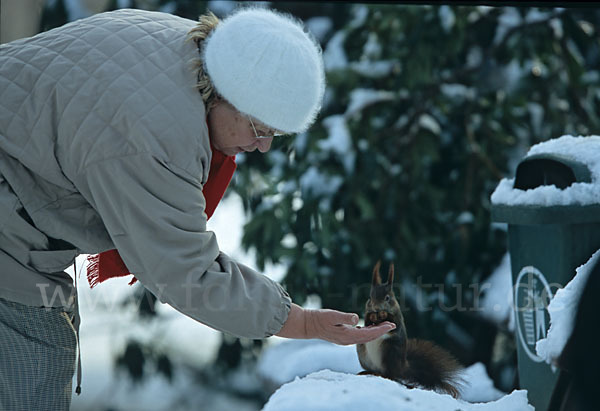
(408, 361)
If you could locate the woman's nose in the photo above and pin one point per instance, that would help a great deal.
(264, 144)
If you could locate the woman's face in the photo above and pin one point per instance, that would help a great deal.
(231, 132)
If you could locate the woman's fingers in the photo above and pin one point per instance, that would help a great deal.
(346, 335)
(339, 317)
(366, 334)
(340, 327)
(330, 325)
(322, 323)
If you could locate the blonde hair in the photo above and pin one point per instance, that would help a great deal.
(206, 24)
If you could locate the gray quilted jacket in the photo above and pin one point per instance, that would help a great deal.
(104, 144)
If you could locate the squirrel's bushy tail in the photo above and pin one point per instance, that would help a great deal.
(431, 367)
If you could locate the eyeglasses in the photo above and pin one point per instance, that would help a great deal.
(256, 134)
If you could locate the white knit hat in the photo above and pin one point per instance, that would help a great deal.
(268, 67)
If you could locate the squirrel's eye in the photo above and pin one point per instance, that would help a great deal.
(387, 298)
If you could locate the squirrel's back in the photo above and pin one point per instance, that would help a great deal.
(431, 366)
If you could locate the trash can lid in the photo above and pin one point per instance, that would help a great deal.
(557, 182)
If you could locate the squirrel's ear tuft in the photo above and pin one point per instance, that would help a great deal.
(390, 279)
(376, 275)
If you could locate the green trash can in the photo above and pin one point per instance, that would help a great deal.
(553, 213)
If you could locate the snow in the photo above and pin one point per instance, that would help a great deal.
(361, 98)
(512, 73)
(375, 69)
(509, 19)
(474, 57)
(155, 393)
(339, 141)
(590, 77)
(300, 142)
(229, 236)
(279, 160)
(359, 16)
(372, 48)
(557, 28)
(563, 309)
(221, 7)
(586, 27)
(574, 51)
(447, 18)
(325, 373)
(317, 184)
(428, 122)
(585, 150)
(319, 26)
(334, 56)
(479, 387)
(536, 111)
(496, 304)
(105, 329)
(458, 91)
(466, 217)
(289, 359)
(330, 390)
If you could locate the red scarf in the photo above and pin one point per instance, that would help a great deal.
(109, 263)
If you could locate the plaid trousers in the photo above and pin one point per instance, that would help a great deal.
(37, 358)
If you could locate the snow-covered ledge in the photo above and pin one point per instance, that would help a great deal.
(317, 375)
(331, 391)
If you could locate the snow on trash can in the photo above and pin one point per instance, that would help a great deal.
(552, 208)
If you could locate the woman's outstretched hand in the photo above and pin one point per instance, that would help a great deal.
(335, 326)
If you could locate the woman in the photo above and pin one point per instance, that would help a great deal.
(107, 143)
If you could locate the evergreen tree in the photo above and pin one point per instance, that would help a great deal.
(427, 108)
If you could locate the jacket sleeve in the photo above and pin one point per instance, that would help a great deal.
(154, 213)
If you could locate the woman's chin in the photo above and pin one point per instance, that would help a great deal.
(230, 151)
